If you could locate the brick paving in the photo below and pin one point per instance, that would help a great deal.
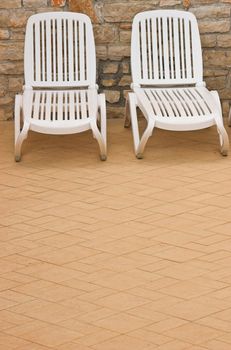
(125, 254)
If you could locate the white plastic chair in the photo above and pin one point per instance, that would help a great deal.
(60, 93)
(167, 74)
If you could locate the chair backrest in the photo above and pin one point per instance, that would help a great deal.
(166, 48)
(59, 50)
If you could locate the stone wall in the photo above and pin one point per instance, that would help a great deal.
(112, 27)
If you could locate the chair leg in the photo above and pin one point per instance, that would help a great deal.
(229, 119)
(20, 136)
(224, 140)
(101, 136)
(127, 122)
(17, 116)
(139, 145)
(223, 136)
(19, 141)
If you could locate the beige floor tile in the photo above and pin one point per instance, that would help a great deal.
(51, 335)
(186, 289)
(194, 333)
(215, 322)
(191, 310)
(10, 341)
(124, 342)
(122, 323)
(150, 336)
(217, 345)
(174, 345)
(121, 301)
(72, 346)
(96, 338)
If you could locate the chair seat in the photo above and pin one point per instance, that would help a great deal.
(60, 111)
(185, 108)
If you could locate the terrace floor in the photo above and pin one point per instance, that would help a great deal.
(125, 254)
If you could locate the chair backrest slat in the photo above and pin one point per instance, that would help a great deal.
(59, 50)
(166, 48)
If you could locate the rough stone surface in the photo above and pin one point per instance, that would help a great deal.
(110, 67)
(224, 40)
(4, 34)
(58, 3)
(112, 96)
(84, 6)
(112, 29)
(10, 4)
(34, 3)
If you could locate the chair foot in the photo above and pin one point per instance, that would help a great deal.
(139, 156)
(127, 124)
(103, 157)
(17, 159)
(224, 153)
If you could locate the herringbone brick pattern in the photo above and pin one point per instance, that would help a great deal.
(120, 255)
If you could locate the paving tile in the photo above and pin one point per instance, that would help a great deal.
(124, 342)
(122, 323)
(193, 333)
(121, 301)
(51, 335)
(217, 345)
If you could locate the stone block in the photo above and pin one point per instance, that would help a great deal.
(17, 34)
(101, 52)
(14, 19)
(216, 83)
(6, 100)
(201, 2)
(224, 40)
(208, 40)
(110, 68)
(84, 6)
(218, 26)
(126, 67)
(210, 12)
(215, 72)
(125, 36)
(164, 3)
(109, 82)
(10, 67)
(11, 51)
(125, 80)
(15, 84)
(116, 52)
(225, 108)
(10, 4)
(225, 94)
(105, 33)
(217, 58)
(35, 3)
(126, 26)
(3, 85)
(125, 11)
(186, 3)
(112, 96)
(4, 34)
(58, 3)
